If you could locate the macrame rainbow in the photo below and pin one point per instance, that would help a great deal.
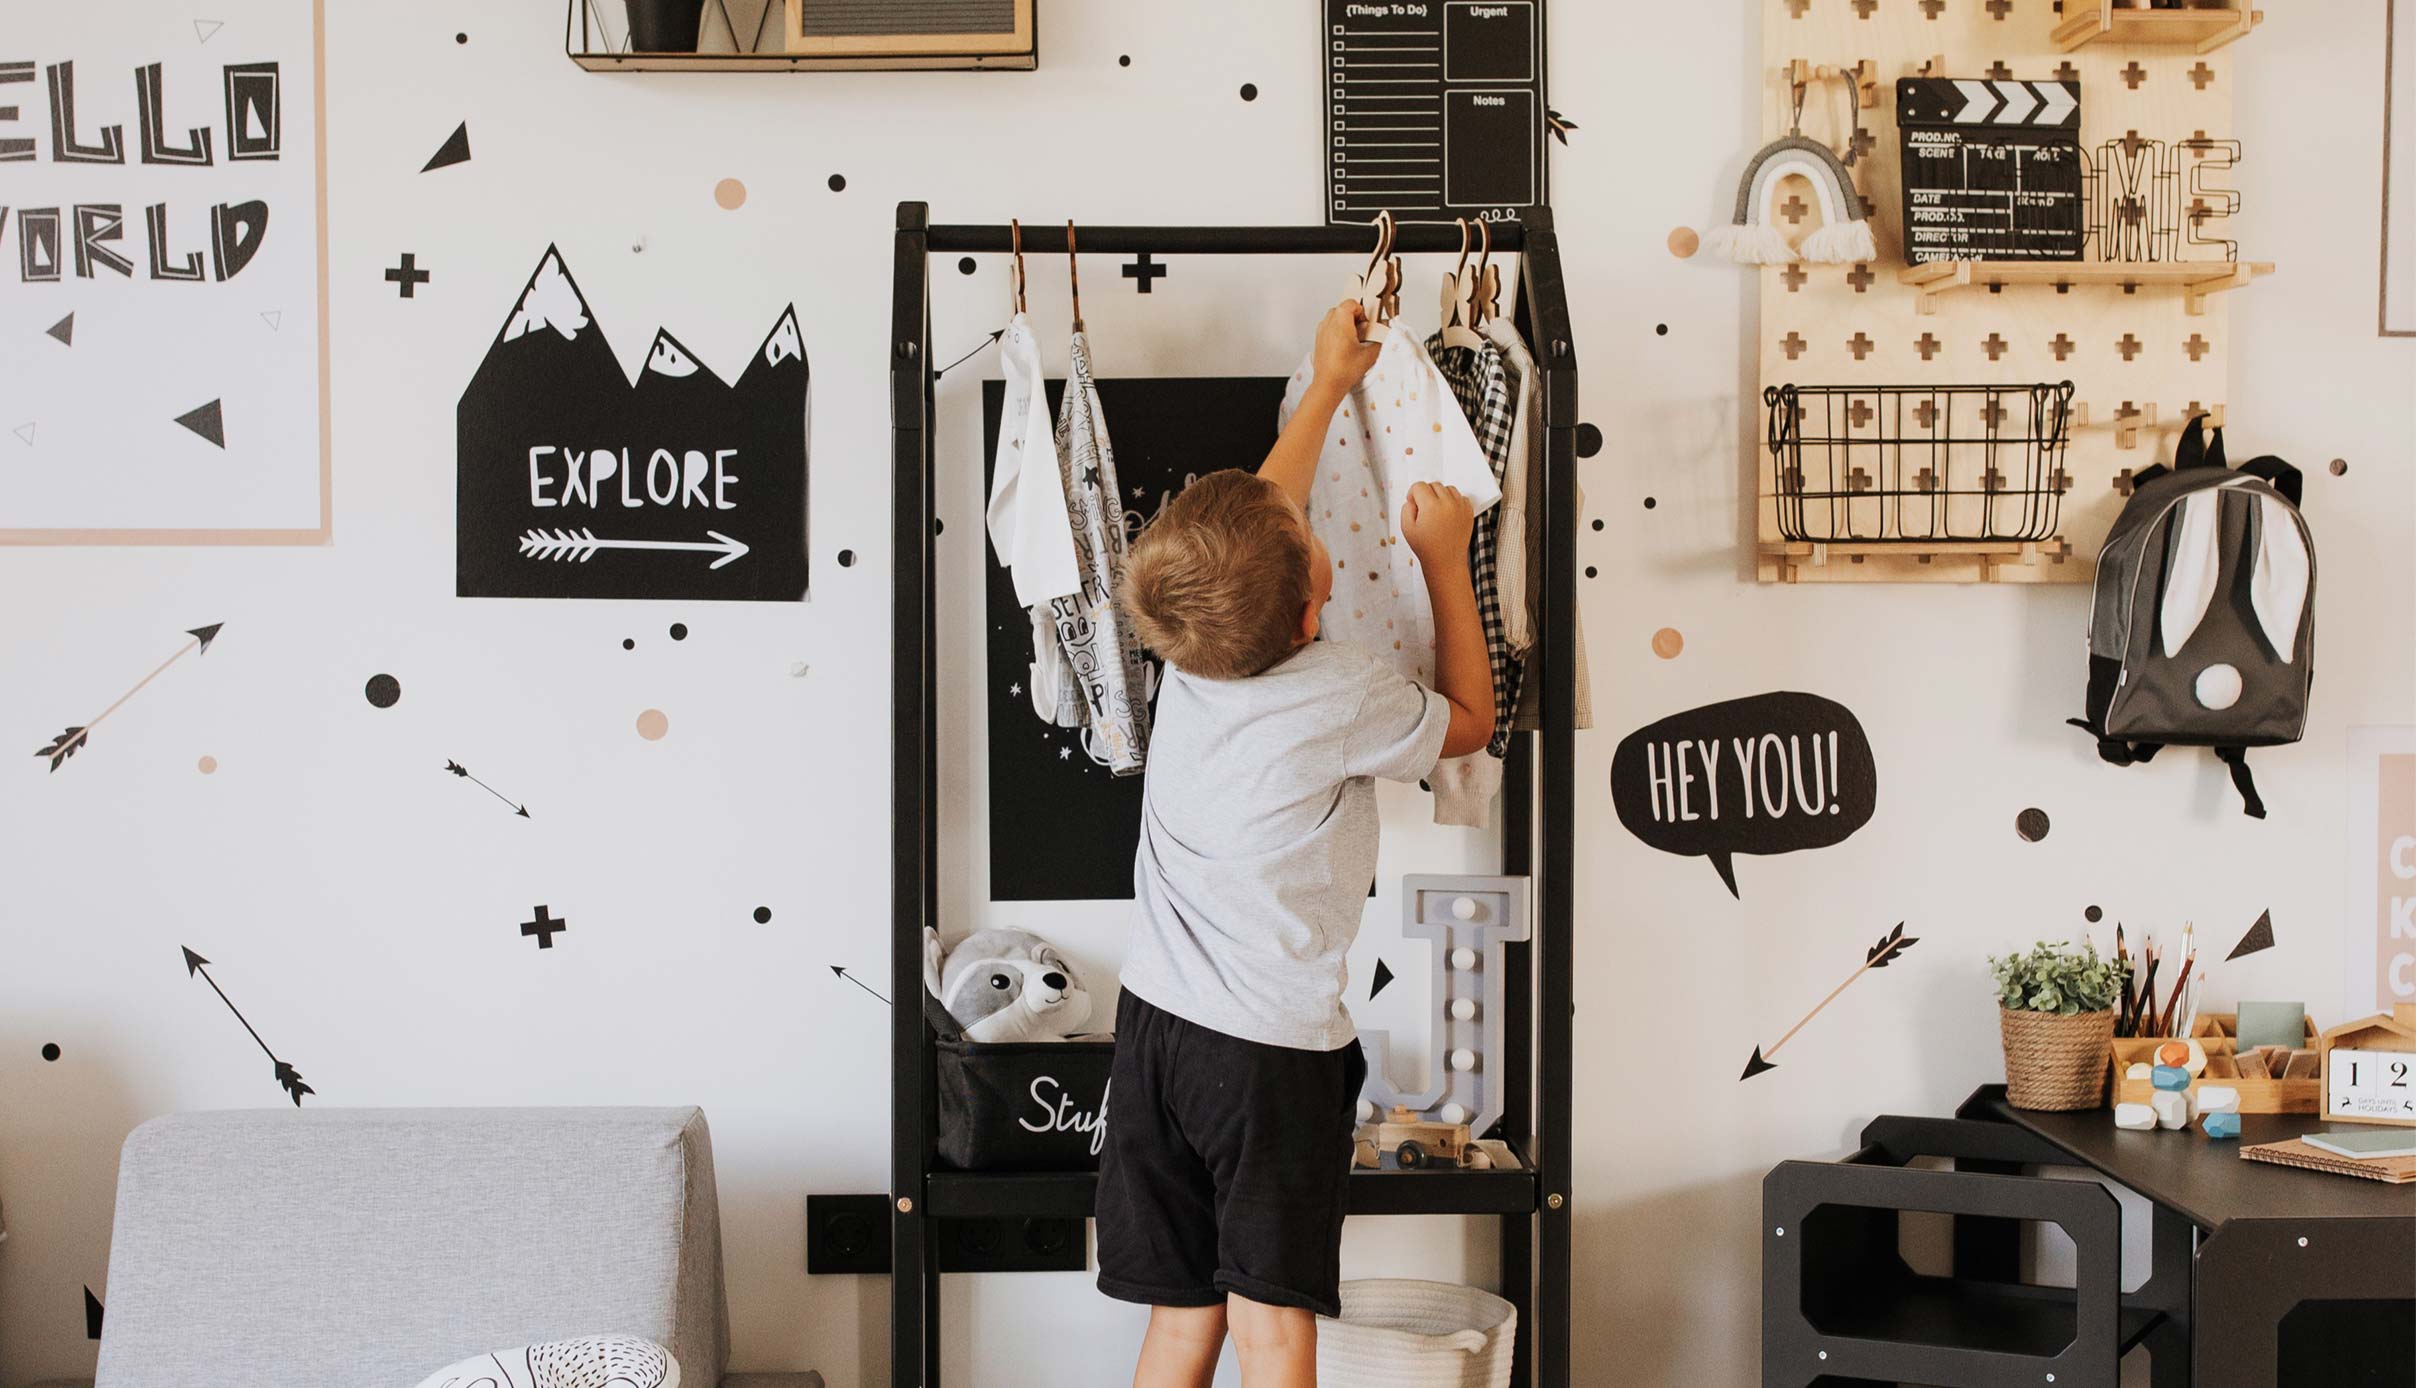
(1844, 236)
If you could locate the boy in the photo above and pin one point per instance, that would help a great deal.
(1237, 1071)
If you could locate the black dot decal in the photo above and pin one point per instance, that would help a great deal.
(1124, 60)
(1650, 503)
(1249, 91)
(2095, 914)
(629, 643)
(965, 265)
(2340, 467)
(1589, 571)
(679, 631)
(1589, 440)
(50, 1050)
(847, 558)
(2031, 824)
(1598, 525)
(1660, 329)
(838, 183)
(383, 691)
(763, 915)
(461, 38)
(938, 526)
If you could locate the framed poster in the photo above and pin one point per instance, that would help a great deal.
(2379, 949)
(163, 250)
(2399, 170)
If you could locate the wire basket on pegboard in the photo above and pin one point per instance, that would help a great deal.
(1909, 464)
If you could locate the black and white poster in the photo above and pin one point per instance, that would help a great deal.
(1992, 170)
(1434, 109)
(577, 483)
(1063, 827)
(162, 275)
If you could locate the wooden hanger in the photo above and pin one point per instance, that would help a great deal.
(1486, 295)
(1459, 309)
(1015, 274)
(1379, 286)
(1073, 273)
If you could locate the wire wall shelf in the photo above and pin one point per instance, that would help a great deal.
(1910, 465)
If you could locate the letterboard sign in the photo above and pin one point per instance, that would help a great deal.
(575, 482)
(1434, 109)
(1992, 170)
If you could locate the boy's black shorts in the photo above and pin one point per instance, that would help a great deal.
(1225, 1167)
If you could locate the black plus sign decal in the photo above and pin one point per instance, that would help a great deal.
(407, 275)
(1145, 270)
(545, 927)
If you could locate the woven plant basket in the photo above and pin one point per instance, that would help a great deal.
(1399, 1333)
(2055, 1060)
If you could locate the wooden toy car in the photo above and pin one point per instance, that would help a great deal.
(1418, 1142)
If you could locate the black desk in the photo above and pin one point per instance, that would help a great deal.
(2274, 1275)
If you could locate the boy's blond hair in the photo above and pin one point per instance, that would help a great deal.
(1218, 583)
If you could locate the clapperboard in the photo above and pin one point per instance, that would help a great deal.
(1992, 170)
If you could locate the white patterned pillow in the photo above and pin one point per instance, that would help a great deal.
(598, 1361)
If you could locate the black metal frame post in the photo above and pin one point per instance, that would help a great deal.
(1538, 821)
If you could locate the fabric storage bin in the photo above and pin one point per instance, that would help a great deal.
(1400, 1333)
(1018, 1105)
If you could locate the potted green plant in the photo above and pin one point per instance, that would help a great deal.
(2055, 1011)
(664, 26)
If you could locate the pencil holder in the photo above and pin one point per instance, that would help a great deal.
(2055, 1060)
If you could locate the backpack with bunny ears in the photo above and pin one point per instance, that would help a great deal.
(2202, 629)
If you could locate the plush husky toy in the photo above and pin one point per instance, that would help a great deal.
(1006, 985)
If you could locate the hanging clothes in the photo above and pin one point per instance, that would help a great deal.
(1398, 427)
(1464, 787)
(1521, 554)
(1102, 652)
(1027, 513)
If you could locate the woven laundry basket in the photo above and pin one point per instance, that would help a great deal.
(1401, 1333)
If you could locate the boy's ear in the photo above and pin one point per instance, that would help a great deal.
(1308, 624)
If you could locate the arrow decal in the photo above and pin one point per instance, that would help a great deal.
(841, 971)
(287, 1076)
(579, 546)
(464, 772)
(1878, 956)
(72, 741)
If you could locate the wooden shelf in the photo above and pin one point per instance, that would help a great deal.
(2195, 279)
(2199, 30)
(1985, 561)
(805, 62)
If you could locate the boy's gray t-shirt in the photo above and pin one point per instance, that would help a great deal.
(1258, 838)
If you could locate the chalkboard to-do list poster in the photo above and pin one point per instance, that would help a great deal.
(1434, 109)
(1992, 170)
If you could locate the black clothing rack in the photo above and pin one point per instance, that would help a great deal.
(1539, 786)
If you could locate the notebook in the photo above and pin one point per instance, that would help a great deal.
(2394, 1170)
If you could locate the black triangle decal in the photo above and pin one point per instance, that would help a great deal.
(63, 330)
(1384, 978)
(2259, 937)
(207, 422)
(92, 1315)
(456, 150)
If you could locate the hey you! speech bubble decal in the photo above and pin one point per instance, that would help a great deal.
(1775, 773)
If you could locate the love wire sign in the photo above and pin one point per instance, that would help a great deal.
(1774, 773)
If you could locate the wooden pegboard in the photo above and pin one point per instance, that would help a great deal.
(2141, 355)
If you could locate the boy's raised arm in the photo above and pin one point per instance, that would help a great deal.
(1340, 360)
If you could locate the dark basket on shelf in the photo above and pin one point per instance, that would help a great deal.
(1913, 464)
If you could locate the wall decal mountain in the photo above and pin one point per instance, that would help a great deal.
(576, 482)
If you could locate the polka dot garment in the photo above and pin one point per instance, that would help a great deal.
(1400, 426)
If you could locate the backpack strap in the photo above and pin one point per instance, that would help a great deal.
(2251, 804)
(2195, 450)
(2114, 749)
(2280, 475)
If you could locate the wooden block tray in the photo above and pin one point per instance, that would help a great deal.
(2214, 1035)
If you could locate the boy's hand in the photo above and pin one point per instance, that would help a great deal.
(1437, 521)
(1341, 356)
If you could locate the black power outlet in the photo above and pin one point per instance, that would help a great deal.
(1011, 1245)
(847, 1233)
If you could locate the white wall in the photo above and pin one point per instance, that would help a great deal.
(364, 911)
